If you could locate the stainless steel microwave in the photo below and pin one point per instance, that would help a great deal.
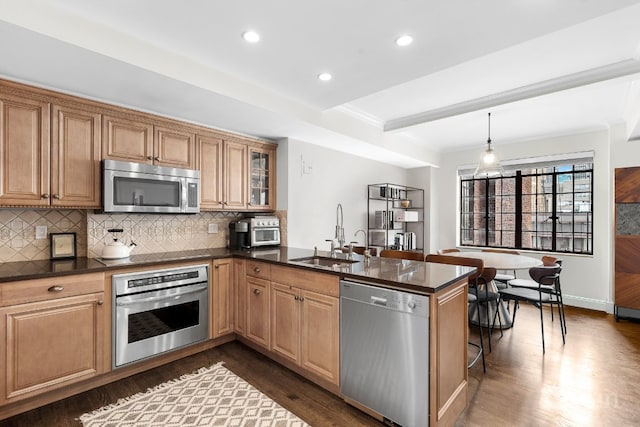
(143, 188)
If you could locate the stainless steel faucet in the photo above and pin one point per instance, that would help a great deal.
(339, 226)
(366, 241)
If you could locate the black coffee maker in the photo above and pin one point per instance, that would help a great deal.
(238, 235)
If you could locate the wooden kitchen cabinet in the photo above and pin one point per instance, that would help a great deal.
(174, 148)
(305, 329)
(24, 151)
(222, 298)
(75, 157)
(143, 141)
(54, 342)
(448, 337)
(258, 311)
(127, 139)
(240, 296)
(50, 155)
(236, 175)
(262, 181)
(305, 320)
(210, 153)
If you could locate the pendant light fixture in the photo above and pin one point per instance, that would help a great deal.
(489, 164)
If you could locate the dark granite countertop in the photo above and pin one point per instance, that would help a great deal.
(413, 276)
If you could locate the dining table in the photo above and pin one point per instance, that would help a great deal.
(499, 261)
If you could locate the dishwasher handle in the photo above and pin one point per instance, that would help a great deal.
(378, 301)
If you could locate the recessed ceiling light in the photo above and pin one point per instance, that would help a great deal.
(251, 36)
(404, 40)
(325, 77)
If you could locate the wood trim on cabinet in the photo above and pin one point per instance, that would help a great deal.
(319, 282)
(448, 374)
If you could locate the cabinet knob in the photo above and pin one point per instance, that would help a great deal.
(157, 159)
(256, 269)
(100, 302)
(45, 196)
(149, 158)
(257, 291)
(301, 298)
(296, 297)
(56, 196)
(216, 266)
(56, 288)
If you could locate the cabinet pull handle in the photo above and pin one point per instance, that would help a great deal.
(100, 302)
(256, 291)
(149, 158)
(45, 196)
(56, 196)
(256, 269)
(56, 288)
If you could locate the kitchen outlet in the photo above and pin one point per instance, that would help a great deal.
(41, 232)
(213, 228)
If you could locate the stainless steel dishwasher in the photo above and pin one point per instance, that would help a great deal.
(384, 352)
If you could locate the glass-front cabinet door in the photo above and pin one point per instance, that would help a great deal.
(262, 184)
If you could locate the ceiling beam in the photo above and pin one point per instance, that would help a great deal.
(582, 78)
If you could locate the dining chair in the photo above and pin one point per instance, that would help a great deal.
(547, 280)
(390, 253)
(547, 261)
(502, 278)
(485, 297)
(471, 298)
(447, 251)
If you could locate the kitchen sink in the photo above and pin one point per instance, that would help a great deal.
(321, 261)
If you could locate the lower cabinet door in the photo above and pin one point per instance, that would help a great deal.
(222, 298)
(51, 344)
(320, 337)
(258, 311)
(285, 321)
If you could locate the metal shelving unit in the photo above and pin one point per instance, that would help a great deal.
(395, 217)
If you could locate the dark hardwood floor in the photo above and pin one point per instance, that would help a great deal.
(593, 380)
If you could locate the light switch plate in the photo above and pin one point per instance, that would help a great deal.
(41, 232)
(213, 228)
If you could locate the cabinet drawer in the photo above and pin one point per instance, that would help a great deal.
(259, 269)
(327, 284)
(25, 291)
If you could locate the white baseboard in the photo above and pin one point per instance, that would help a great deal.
(589, 303)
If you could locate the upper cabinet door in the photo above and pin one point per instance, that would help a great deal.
(127, 140)
(263, 178)
(75, 157)
(210, 167)
(24, 151)
(235, 165)
(174, 148)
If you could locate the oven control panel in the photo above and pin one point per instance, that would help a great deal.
(129, 283)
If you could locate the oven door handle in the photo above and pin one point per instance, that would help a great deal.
(129, 300)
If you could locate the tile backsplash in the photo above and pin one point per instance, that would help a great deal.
(151, 233)
(18, 232)
(158, 233)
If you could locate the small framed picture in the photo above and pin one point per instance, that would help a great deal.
(63, 245)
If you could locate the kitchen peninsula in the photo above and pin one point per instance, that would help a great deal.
(243, 288)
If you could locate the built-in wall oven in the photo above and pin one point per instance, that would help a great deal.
(158, 311)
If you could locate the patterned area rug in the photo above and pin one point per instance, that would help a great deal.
(212, 396)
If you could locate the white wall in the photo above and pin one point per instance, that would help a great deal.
(586, 280)
(331, 177)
